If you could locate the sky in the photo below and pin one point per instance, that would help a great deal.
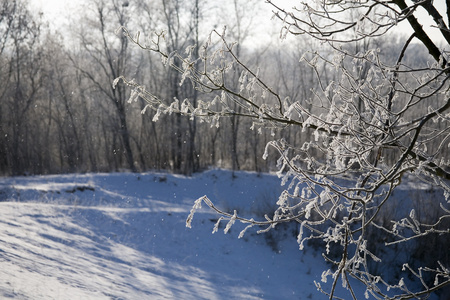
(58, 12)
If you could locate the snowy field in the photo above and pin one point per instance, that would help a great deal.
(123, 236)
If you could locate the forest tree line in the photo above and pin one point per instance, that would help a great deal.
(59, 111)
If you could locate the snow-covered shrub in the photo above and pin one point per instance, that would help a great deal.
(7, 193)
(264, 203)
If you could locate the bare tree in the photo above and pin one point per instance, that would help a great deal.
(21, 76)
(110, 56)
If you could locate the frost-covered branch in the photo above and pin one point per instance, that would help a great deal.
(372, 123)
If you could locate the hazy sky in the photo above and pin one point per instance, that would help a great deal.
(58, 13)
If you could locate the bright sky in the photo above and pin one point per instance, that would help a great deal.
(58, 12)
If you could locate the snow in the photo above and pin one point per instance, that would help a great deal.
(124, 236)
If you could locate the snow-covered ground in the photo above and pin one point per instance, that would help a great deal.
(123, 236)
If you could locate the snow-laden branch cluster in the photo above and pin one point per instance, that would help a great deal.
(375, 122)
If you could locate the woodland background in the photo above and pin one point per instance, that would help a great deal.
(59, 112)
